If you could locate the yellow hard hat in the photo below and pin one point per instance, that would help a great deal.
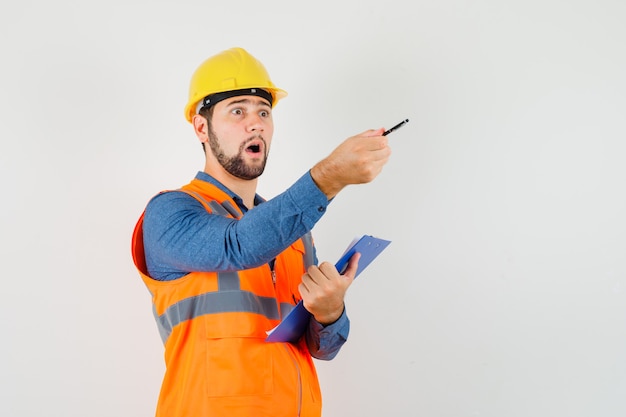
(231, 70)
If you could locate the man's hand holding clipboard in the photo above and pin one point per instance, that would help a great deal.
(295, 323)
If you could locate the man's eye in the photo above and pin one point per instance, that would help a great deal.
(264, 113)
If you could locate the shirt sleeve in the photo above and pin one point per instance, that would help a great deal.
(180, 236)
(324, 342)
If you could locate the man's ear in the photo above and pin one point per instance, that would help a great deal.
(201, 128)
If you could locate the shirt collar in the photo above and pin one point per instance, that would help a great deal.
(203, 176)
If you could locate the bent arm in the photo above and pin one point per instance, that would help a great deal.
(180, 236)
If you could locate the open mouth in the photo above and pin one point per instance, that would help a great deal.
(255, 147)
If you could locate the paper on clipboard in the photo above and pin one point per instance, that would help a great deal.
(294, 324)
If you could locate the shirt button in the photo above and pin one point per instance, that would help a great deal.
(321, 209)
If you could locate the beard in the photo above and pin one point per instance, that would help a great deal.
(236, 165)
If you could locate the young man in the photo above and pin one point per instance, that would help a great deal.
(224, 266)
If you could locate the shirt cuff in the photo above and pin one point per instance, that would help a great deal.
(327, 340)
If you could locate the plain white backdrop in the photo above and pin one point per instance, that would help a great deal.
(503, 293)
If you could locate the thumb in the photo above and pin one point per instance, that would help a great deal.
(353, 266)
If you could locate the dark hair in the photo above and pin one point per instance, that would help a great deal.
(207, 113)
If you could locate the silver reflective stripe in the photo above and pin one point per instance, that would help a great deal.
(285, 308)
(229, 208)
(217, 208)
(308, 256)
(213, 303)
(228, 281)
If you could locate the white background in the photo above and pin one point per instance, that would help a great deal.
(503, 293)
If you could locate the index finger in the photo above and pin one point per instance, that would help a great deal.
(374, 132)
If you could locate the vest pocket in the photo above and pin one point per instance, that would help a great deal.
(238, 366)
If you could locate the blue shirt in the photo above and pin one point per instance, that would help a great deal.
(180, 236)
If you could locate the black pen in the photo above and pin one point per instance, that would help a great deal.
(386, 132)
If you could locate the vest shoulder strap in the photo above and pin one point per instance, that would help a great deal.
(225, 208)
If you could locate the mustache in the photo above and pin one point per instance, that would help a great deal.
(251, 138)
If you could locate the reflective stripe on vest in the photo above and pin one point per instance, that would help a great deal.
(228, 299)
(224, 209)
(309, 259)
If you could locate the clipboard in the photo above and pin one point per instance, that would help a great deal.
(293, 326)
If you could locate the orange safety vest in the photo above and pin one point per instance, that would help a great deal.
(213, 326)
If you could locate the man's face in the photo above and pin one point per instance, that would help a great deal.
(240, 134)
